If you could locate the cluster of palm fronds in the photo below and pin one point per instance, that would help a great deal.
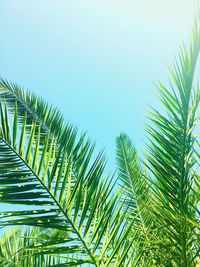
(68, 212)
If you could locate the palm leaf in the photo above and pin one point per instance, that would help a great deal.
(59, 187)
(139, 198)
(18, 247)
(171, 153)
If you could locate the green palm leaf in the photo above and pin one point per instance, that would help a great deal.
(130, 174)
(171, 153)
(22, 248)
(59, 187)
(139, 198)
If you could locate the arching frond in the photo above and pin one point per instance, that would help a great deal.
(171, 153)
(60, 188)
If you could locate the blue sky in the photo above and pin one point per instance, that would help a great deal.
(96, 60)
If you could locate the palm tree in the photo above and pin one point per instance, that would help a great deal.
(72, 213)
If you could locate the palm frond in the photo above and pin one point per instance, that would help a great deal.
(60, 188)
(139, 198)
(130, 174)
(22, 247)
(171, 151)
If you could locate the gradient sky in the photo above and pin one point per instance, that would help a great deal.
(96, 60)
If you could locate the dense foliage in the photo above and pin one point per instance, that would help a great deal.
(68, 212)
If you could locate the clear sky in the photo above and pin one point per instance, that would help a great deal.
(95, 60)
